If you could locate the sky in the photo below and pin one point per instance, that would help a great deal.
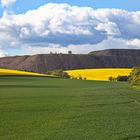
(44, 26)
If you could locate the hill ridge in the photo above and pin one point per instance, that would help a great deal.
(40, 63)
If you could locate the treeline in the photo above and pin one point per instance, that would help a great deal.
(133, 78)
(119, 78)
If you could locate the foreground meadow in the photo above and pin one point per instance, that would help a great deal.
(99, 74)
(41, 108)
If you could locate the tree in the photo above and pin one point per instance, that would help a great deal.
(135, 76)
(69, 52)
(110, 78)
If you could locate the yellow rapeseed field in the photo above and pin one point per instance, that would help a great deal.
(16, 72)
(99, 74)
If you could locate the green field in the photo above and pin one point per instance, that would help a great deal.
(41, 108)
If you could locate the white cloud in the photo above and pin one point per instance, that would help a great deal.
(80, 29)
(134, 42)
(7, 6)
(7, 3)
(2, 54)
(53, 48)
(79, 49)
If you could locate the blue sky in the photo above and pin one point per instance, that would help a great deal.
(130, 5)
(50, 26)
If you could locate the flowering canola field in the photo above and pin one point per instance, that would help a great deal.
(99, 74)
(16, 72)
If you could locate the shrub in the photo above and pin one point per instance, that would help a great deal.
(111, 78)
(84, 78)
(122, 78)
(119, 78)
(81, 78)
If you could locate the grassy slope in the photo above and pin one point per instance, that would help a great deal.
(16, 72)
(60, 109)
(99, 74)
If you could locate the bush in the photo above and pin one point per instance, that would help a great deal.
(81, 78)
(59, 73)
(111, 78)
(122, 78)
(135, 77)
(119, 78)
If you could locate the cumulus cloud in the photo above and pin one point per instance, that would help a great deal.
(61, 27)
(80, 49)
(7, 3)
(7, 6)
(1, 53)
(53, 48)
(134, 42)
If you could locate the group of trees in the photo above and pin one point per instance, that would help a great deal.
(69, 52)
(62, 74)
(133, 78)
(119, 78)
(58, 73)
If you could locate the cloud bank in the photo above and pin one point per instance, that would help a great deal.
(60, 27)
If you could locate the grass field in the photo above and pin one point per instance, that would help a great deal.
(41, 108)
(99, 74)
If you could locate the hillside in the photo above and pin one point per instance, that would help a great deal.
(117, 52)
(99, 59)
